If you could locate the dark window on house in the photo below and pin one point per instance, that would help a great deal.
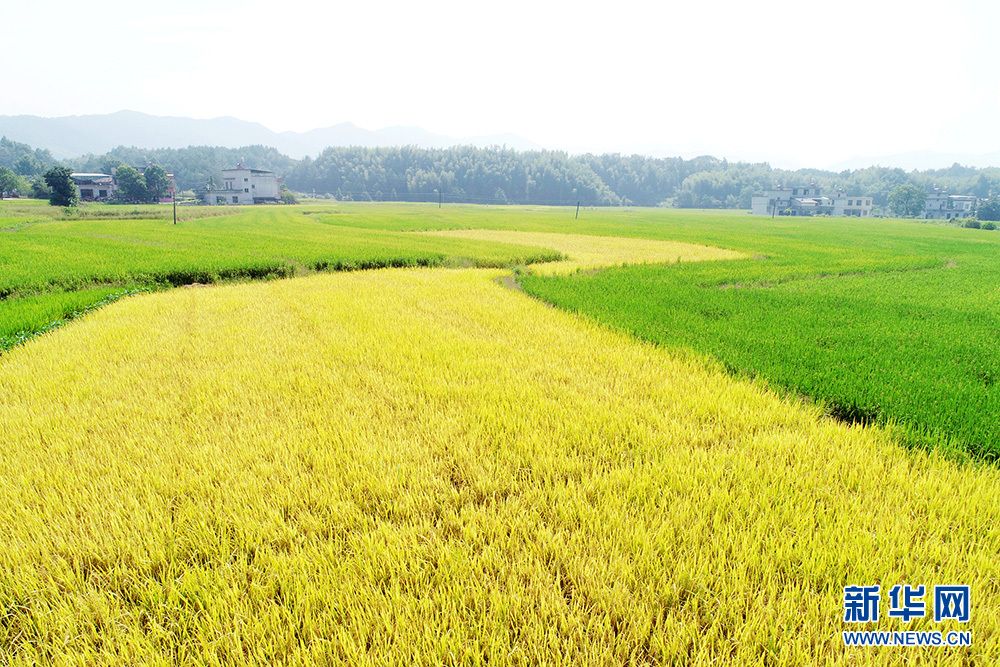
(236, 200)
(86, 194)
(247, 190)
(102, 193)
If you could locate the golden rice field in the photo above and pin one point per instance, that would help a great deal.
(592, 252)
(419, 466)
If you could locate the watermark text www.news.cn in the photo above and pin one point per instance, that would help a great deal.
(862, 605)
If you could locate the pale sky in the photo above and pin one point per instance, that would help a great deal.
(799, 84)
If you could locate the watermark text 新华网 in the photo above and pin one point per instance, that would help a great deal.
(862, 604)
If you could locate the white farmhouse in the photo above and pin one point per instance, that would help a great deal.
(93, 187)
(809, 201)
(243, 185)
(940, 205)
(852, 206)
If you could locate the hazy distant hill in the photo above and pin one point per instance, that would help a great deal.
(921, 161)
(72, 136)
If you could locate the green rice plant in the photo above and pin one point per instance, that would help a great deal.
(28, 317)
(273, 242)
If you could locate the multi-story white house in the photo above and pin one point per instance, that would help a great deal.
(940, 205)
(856, 206)
(779, 200)
(809, 201)
(243, 185)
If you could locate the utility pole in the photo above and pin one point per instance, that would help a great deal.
(577, 211)
(173, 199)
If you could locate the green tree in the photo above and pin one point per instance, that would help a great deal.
(108, 165)
(131, 184)
(28, 165)
(62, 188)
(12, 152)
(39, 189)
(907, 201)
(157, 182)
(287, 196)
(11, 184)
(989, 209)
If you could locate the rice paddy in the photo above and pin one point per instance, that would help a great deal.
(420, 466)
(885, 322)
(584, 253)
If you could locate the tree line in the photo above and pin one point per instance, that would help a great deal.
(499, 175)
(21, 166)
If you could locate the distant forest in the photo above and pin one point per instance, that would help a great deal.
(500, 175)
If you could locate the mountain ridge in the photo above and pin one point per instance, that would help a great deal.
(74, 136)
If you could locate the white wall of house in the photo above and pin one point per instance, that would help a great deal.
(223, 196)
(809, 201)
(93, 187)
(251, 184)
(771, 202)
(264, 185)
(809, 192)
(859, 207)
(242, 186)
(759, 205)
(941, 206)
